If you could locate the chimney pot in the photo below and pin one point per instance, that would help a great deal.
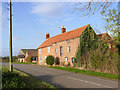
(47, 35)
(63, 29)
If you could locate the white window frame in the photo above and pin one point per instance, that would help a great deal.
(68, 49)
(56, 50)
(68, 41)
(48, 49)
(45, 60)
(66, 59)
(55, 43)
(61, 51)
(39, 51)
(40, 59)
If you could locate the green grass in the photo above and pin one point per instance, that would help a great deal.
(18, 79)
(91, 73)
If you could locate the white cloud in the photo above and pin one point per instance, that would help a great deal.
(49, 9)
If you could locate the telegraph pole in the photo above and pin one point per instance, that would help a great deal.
(10, 37)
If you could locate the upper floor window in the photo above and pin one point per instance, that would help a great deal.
(48, 49)
(39, 51)
(66, 59)
(40, 59)
(61, 51)
(68, 41)
(55, 43)
(68, 49)
(55, 50)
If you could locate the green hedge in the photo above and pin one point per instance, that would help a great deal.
(50, 60)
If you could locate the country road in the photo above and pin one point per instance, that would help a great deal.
(65, 79)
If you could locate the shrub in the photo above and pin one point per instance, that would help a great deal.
(68, 64)
(29, 59)
(50, 60)
(62, 63)
(57, 61)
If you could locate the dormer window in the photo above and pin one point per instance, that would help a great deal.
(68, 41)
(55, 43)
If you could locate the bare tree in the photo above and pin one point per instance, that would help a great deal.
(90, 8)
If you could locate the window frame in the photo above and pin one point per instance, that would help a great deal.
(61, 50)
(68, 49)
(68, 41)
(55, 50)
(40, 59)
(40, 51)
(66, 59)
(48, 49)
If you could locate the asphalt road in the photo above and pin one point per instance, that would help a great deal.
(65, 79)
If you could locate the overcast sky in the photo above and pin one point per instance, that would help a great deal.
(31, 21)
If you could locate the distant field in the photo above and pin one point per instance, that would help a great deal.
(15, 61)
(7, 60)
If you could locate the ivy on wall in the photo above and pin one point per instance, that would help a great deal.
(88, 41)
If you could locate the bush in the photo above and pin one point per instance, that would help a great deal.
(63, 63)
(50, 60)
(57, 61)
(68, 64)
(29, 59)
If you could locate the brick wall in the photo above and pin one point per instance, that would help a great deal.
(73, 44)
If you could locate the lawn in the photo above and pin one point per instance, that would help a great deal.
(18, 79)
(91, 73)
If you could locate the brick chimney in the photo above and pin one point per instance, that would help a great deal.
(63, 29)
(47, 35)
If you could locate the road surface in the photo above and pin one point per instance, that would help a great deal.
(65, 79)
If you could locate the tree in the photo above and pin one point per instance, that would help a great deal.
(111, 17)
(50, 60)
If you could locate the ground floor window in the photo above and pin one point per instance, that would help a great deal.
(45, 60)
(66, 59)
(40, 59)
(57, 61)
(74, 60)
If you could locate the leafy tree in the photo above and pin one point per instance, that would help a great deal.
(111, 17)
(50, 60)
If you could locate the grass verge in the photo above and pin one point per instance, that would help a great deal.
(91, 73)
(18, 79)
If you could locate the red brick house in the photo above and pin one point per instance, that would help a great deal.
(63, 46)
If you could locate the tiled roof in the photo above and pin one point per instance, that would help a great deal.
(102, 35)
(64, 36)
(32, 53)
(29, 50)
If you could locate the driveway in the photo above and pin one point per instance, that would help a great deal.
(65, 79)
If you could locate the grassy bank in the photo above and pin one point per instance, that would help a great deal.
(18, 79)
(91, 73)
